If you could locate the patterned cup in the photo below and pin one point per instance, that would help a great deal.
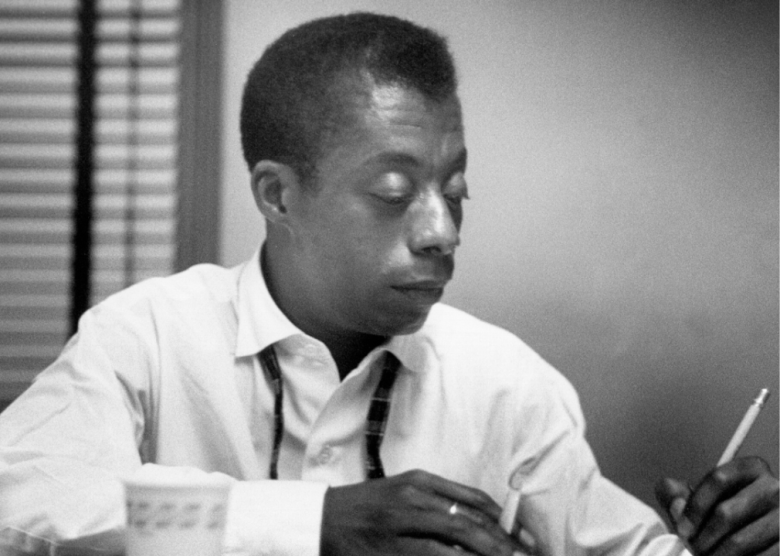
(176, 518)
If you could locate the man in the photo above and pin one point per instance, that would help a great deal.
(357, 415)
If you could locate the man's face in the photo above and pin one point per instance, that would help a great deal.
(373, 241)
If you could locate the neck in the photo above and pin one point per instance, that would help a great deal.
(349, 354)
(347, 348)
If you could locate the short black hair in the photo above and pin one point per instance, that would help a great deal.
(290, 104)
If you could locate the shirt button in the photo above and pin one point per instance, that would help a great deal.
(325, 455)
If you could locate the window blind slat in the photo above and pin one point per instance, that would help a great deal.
(43, 180)
(52, 8)
(116, 80)
(17, 105)
(37, 29)
(52, 326)
(37, 54)
(118, 27)
(150, 7)
(120, 54)
(136, 134)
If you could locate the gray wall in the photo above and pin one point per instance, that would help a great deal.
(623, 168)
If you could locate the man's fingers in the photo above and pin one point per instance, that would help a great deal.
(435, 548)
(460, 522)
(412, 513)
(721, 484)
(673, 496)
(773, 550)
(464, 532)
(667, 490)
(429, 492)
(758, 537)
(428, 547)
(739, 521)
(727, 509)
(456, 492)
(446, 506)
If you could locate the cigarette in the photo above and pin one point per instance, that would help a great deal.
(744, 427)
(509, 513)
(683, 525)
(508, 519)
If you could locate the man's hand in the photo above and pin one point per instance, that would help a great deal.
(411, 514)
(733, 510)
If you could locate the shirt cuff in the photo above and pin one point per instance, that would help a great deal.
(279, 518)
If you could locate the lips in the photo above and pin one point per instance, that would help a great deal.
(425, 292)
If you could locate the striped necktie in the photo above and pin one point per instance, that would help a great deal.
(376, 420)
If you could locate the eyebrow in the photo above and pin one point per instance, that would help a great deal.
(394, 158)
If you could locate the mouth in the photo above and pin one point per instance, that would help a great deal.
(425, 292)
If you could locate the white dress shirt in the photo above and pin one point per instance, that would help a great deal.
(166, 373)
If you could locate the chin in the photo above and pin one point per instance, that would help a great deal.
(404, 326)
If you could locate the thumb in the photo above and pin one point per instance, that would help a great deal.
(672, 495)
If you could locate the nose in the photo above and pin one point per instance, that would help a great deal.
(436, 226)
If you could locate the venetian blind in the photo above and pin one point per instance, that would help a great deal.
(136, 85)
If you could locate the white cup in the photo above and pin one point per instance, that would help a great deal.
(176, 518)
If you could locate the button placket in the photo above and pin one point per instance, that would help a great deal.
(325, 455)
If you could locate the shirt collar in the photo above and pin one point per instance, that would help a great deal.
(415, 351)
(261, 323)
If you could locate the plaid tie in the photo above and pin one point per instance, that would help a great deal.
(271, 366)
(376, 419)
(377, 416)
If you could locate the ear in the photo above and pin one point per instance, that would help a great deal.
(273, 185)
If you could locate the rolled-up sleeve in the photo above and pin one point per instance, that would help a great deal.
(63, 445)
(85, 424)
(567, 505)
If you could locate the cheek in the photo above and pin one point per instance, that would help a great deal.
(354, 246)
(345, 256)
(385, 244)
(367, 262)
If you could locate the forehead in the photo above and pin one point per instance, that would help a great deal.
(394, 106)
(387, 122)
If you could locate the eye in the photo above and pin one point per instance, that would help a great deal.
(394, 200)
(456, 189)
(454, 200)
(394, 189)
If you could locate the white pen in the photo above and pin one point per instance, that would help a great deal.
(509, 521)
(744, 427)
(678, 506)
(509, 513)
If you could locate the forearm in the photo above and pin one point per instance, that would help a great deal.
(52, 505)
